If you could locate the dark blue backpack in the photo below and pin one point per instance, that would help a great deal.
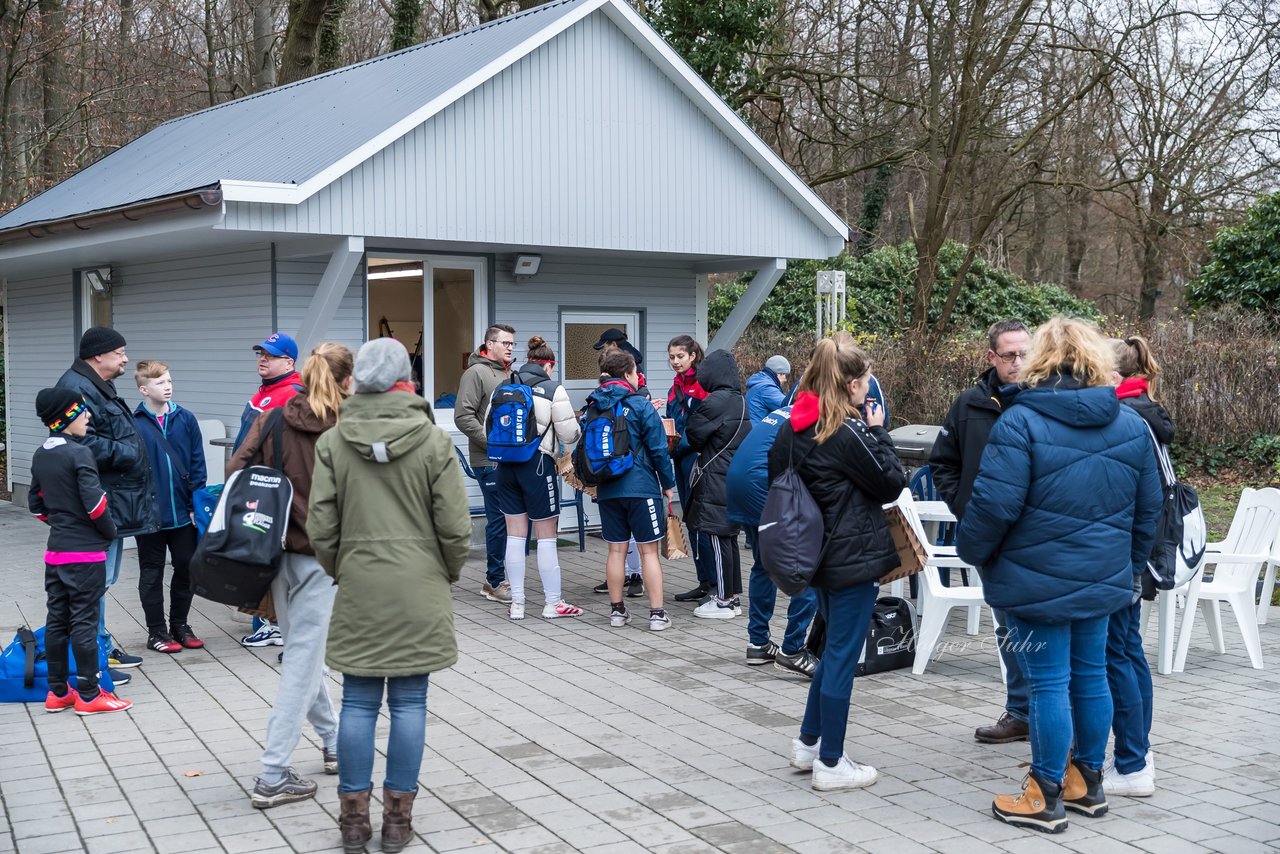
(511, 428)
(604, 452)
(24, 670)
(203, 502)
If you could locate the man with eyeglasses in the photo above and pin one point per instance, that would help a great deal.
(277, 357)
(954, 465)
(123, 465)
(488, 368)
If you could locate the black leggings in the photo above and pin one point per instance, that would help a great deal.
(74, 592)
(181, 544)
(727, 565)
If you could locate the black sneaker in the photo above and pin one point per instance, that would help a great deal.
(757, 655)
(697, 594)
(291, 788)
(602, 587)
(803, 662)
(635, 586)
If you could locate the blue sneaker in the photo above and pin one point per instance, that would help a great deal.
(121, 660)
(119, 677)
(268, 635)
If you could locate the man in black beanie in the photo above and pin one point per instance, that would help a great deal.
(123, 465)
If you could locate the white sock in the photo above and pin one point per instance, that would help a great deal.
(549, 569)
(515, 567)
(633, 558)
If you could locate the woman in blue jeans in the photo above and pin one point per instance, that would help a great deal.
(1062, 518)
(388, 521)
(851, 469)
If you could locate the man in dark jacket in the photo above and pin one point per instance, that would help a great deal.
(954, 466)
(117, 448)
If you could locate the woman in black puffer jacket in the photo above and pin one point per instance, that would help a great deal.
(715, 430)
(851, 469)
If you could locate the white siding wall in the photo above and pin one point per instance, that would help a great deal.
(41, 345)
(296, 283)
(583, 143)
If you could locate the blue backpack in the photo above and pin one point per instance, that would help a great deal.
(511, 428)
(24, 671)
(604, 452)
(203, 502)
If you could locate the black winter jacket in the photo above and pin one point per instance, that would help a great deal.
(714, 431)
(958, 450)
(118, 450)
(66, 493)
(857, 467)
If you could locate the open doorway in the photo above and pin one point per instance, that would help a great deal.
(439, 326)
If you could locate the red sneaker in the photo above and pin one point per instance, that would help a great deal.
(54, 704)
(183, 635)
(104, 702)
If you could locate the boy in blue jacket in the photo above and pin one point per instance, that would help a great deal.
(172, 437)
(632, 504)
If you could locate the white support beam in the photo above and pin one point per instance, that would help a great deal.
(743, 313)
(344, 257)
(700, 301)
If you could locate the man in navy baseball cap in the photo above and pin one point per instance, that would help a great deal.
(280, 345)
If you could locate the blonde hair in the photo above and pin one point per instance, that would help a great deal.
(1134, 359)
(324, 376)
(148, 369)
(833, 366)
(1068, 345)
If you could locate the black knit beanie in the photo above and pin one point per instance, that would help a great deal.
(98, 340)
(58, 407)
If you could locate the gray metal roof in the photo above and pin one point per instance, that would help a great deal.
(288, 134)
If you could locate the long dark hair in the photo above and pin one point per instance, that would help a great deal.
(690, 346)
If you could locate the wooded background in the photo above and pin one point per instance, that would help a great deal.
(1094, 143)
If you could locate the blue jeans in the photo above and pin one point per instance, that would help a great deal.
(1130, 679)
(848, 616)
(495, 529)
(699, 543)
(1066, 667)
(763, 595)
(115, 555)
(1018, 695)
(361, 702)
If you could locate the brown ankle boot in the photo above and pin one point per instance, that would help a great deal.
(397, 819)
(353, 821)
(1038, 806)
(1082, 790)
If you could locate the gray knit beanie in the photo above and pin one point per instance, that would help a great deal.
(380, 364)
(779, 365)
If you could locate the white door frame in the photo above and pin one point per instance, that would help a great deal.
(630, 318)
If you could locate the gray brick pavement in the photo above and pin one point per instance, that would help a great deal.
(570, 736)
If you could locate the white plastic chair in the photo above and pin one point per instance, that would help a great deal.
(936, 601)
(215, 457)
(1166, 603)
(1269, 583)
(1236, 560)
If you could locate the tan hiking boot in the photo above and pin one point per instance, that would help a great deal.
(1038, 806)
(1082, 790)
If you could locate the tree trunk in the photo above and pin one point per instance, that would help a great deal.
(873, 200)
(210, 55)
(264, 36)
(1152, 269)
(404, 23)
(330, 53)
(298, 60)
(53, 80)
(1077, 243)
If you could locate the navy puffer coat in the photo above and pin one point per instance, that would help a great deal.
(1064, 506)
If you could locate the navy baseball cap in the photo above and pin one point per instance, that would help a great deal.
(610, 335)
(279, 344)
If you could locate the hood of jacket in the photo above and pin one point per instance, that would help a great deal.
(298, 415)
(719, 371)
(805, 411)
(763, 377)
(1065, 400)
(384, 427)
(611, 391)
(482, 357)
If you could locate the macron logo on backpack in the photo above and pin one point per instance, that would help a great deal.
(604, 452)
(511, 429)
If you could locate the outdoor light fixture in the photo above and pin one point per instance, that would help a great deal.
(527, 265)
(99, 278)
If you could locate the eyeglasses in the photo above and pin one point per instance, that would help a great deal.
(507, 344)
(1010, 358)
(262, 354)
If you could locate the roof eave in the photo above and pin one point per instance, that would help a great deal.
(197, 199)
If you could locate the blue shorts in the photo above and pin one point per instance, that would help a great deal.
(529, 488)
(624, 518)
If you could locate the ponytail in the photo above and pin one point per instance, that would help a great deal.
(833, 367)
(324, 376)
(1135, 359)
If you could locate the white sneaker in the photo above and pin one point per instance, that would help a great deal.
(714, 609)
(1139, 784)
(659, 622)
(618, 619)
(516, 610)
(846, 775)
(802, 755)
(555, 610)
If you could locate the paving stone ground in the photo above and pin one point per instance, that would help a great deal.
(570, 736)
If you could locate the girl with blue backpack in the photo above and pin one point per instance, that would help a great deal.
(631, 493)
(529, 490)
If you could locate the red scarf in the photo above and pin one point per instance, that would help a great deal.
(1132, 387)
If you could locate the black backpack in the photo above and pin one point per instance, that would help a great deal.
(891, 639)
(239, 555)
(1181, 533)
(791, 537)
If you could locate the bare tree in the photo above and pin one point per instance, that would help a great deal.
(264, 40)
